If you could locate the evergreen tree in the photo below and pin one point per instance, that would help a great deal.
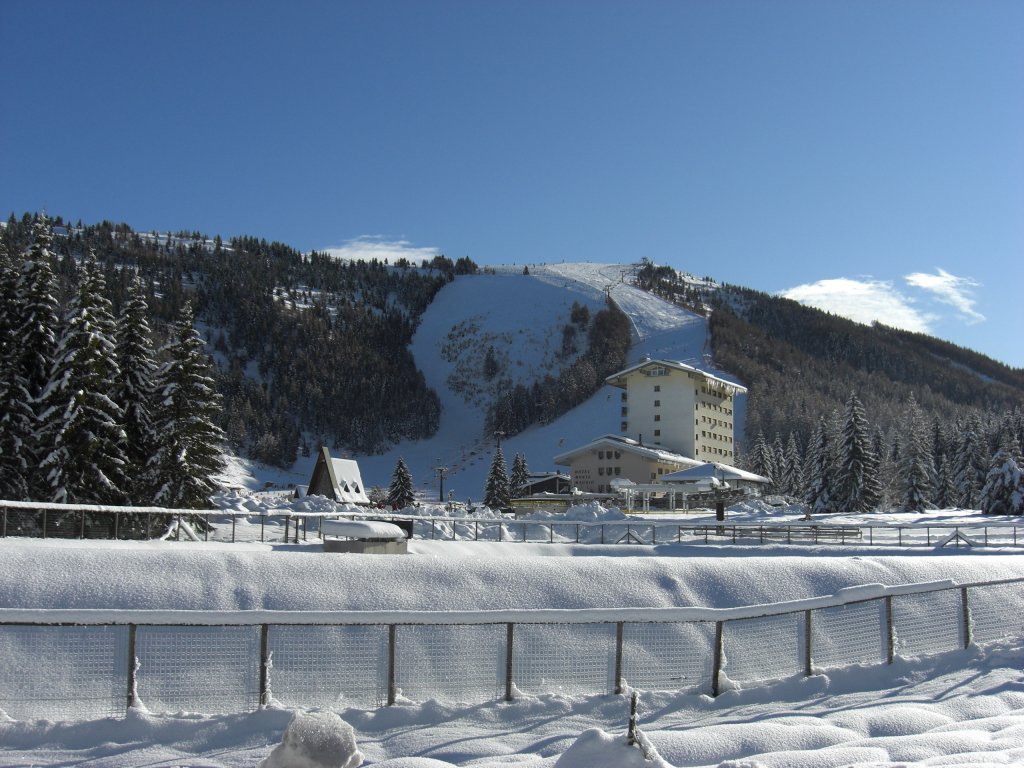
(400, 492)
(945, 493)
(135, 392)
(819, 468)
(793, 474)
(915, 468)
(1003, 493)
(761, 460)
(520, 475)
(80, 425)
(16, 416)
(189, 449)
(857, 485)
(497, 493)
(37, 339)
(970, 465)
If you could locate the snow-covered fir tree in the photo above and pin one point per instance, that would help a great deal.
(189, 449)
(497, 493)
(819, 468)
(945, 493)
(400, 492)
(915, 467)
(1003, 493)
(970, 465)
(761, 459)
(16, 416)
(135, 392)
(37, 338)
(79, 428)
(858, 488)
(793, 471)
(520, 475)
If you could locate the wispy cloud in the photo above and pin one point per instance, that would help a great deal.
(950, 289)
(380, 247)
(863, 301)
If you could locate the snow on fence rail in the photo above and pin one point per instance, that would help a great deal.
(68, 664)
(20, 518)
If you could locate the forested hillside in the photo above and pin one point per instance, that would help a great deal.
(309, 349)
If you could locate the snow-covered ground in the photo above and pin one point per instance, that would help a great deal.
(956, 708)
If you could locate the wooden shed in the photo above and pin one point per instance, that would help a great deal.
(337, 479)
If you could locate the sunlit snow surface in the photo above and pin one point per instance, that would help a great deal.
(958, 708)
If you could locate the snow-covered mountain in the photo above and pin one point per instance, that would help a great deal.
(521, 317)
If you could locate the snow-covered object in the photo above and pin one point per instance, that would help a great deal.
(1003, 493)
(316, 740)
(597, 749)
(362, 529)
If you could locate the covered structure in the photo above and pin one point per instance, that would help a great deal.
(337, 479)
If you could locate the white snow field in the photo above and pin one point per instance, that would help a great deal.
(959, 707)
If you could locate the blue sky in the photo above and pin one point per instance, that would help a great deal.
(865, 156)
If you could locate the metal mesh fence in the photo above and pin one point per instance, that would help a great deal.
(575, 659)
(849, 634)
(328, 666)
(667, 657)
(457, 663)
(198, 669)
(82, 672)
(990, 618)
(929, 622)
(767, 648)
(63, 672)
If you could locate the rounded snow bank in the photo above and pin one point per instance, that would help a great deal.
(597, 749)
(316, 740)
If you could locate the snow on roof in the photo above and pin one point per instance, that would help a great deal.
(618, 442)
(348, 482)
(712, 470)
(615, 378)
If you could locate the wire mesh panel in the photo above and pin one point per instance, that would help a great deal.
(764, 649)
(456, 663)
(63, 673)
(929, 622)
(198, 669)
(849, 634)
(328, 667)
(573, 659)
(668, 657)
(990, 617)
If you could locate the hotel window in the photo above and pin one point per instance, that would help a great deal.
(657, 417)
(657, 387)
(600, 454)
(657, 403)
(624, 426)
(657, 433)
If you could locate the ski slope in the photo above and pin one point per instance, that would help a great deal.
(522, 317)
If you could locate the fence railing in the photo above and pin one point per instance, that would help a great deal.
(78, 664)
(110, 522)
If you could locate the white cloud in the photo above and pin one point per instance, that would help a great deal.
(380, 247)
(863, 301)
(950, 289)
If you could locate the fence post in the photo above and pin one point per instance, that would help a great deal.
(392, 632)
(808, 658)
(44, 522)
(264, 665)
(890, 640)
(4, 533)
(618, 657)
(631, 733)
(509, 639)
(132, 683)
(965, 617)
(719, 648)
(81, 534)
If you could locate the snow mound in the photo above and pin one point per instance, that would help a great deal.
(597, 749)
(587, 512)
(316, 740)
